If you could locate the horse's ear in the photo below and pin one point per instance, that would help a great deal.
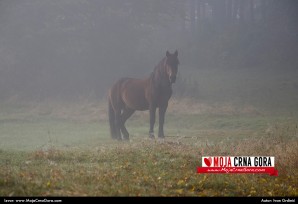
(167, 54)
(176, 53)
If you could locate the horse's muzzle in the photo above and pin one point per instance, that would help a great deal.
(172, 79)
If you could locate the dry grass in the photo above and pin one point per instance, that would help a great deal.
(90, 110)
(150, 168)
(192, 106)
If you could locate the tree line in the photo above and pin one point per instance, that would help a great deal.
(74, 47)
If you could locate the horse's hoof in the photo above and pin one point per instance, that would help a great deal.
(161, 140)
(126, 139)
(151, 135)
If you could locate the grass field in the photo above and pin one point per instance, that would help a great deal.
(58, 149)
(48, 154)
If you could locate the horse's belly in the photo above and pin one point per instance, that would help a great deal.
(138, 103)
(134, 97)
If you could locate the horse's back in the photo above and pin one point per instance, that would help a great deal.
(117, 87)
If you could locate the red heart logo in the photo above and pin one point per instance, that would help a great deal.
(208, 161)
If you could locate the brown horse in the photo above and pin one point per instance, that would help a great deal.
(128, 95)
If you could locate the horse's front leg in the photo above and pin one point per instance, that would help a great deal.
(152, 111)
(162, 111)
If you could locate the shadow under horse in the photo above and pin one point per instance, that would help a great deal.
(129, 94)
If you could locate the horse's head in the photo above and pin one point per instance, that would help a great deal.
(171, 65)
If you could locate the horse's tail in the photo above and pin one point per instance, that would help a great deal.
(112, 120)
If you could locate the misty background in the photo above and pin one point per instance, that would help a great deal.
(65, 49)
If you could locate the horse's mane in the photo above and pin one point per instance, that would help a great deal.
(156, 75)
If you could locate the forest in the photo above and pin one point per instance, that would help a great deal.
(70, 48)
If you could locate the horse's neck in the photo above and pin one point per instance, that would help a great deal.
(159, 78)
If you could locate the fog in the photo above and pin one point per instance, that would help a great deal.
(70, 48)
(235, 94)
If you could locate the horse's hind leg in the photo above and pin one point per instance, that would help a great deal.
(118, 124)
(127, 112)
